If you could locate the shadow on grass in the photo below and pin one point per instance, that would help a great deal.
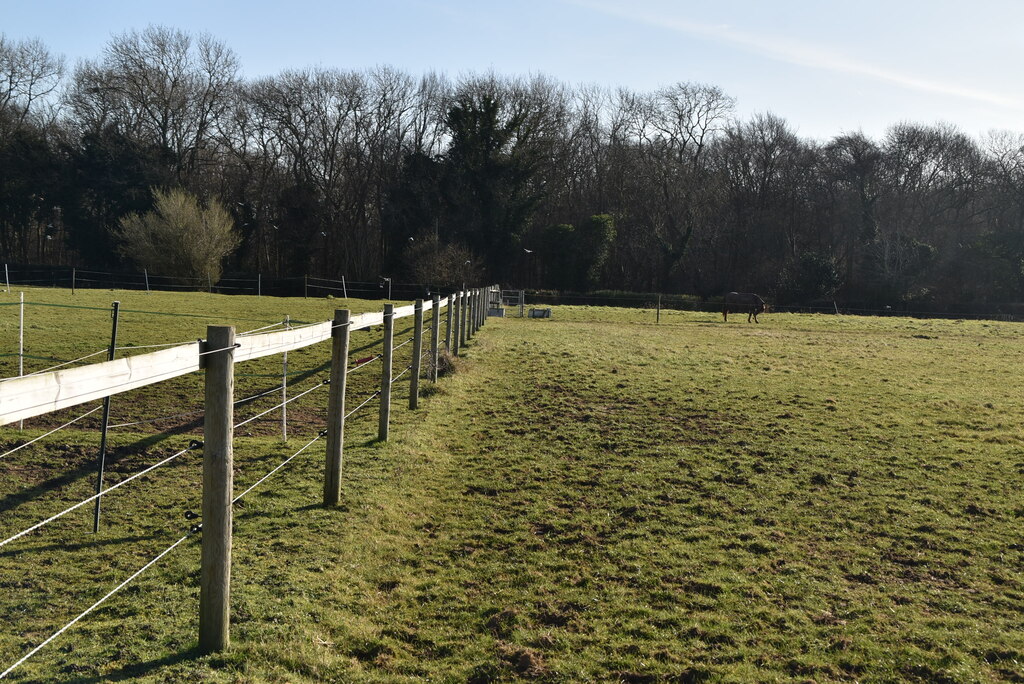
(86, 469)
(92, 542)
(15, 499)
(137, 670)
(242, 516)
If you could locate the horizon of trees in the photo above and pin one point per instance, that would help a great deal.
(524, 181)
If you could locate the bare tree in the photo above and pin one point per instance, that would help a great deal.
(662, 139)
(852, 162)
(252, 176)
(316, 116)
(31, 226)
(1004, 206)
(930, 174)
(427, 133)
(29, 75)
(161, 86)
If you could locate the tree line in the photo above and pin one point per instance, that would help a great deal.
(524, 181)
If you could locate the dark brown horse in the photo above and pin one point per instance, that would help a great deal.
(743, 302)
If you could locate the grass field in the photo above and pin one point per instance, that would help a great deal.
(591, 497)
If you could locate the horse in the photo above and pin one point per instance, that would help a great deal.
(740, 302)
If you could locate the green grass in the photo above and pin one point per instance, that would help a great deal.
(591, 497)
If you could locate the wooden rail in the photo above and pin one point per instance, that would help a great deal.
(35, 395)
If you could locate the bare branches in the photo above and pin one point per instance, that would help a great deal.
(162, 86)
(29, 75)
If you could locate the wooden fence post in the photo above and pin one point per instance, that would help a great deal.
(435, 337)
(336, 407)
(463, 319)
(481, 308)
(448, 323)
(477, 305)
(455, 316)
(385, 376)
(218, 464)
(417, 355)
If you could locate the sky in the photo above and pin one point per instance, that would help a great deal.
(826, 67)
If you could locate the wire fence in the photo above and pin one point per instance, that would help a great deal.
(282, 404)
(257, 284)
(191, 414)
(94, 606)
(195, 529)
(999, 311)
(194, 445)
(384, 288)
(108, 490)
(53, 431)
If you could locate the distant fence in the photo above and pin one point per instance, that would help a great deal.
(233, 283)
(385, 288)
(1008, 311)
(41, 393)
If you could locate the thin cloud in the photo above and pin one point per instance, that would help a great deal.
(801, 55)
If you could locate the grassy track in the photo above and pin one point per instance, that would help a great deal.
(592, 497)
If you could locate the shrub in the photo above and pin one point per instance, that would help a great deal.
(179, 236)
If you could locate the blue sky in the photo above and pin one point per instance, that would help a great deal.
(826, 67)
